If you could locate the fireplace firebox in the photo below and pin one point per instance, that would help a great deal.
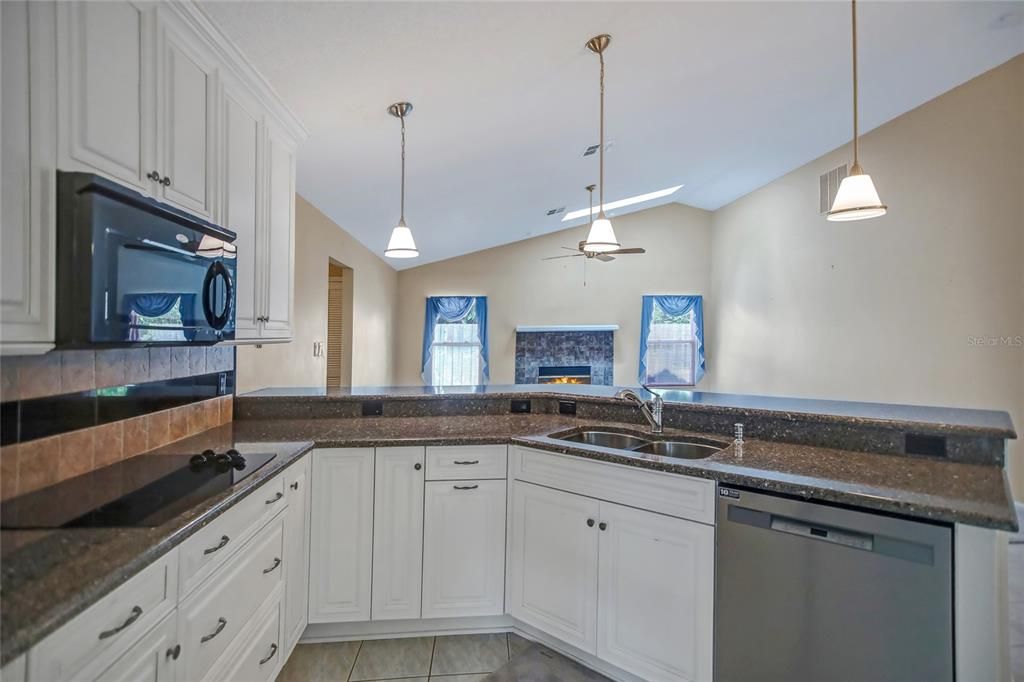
(564, 374)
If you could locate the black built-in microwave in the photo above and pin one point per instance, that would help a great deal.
(133, 271)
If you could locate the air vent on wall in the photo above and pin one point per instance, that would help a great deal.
(556, 211)
(828, 185)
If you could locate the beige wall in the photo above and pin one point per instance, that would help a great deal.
(882, 310)
(523, 289)
(318, 240)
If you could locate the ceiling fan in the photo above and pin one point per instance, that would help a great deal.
(603, 256)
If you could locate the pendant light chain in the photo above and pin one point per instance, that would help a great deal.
(402, 210)
(853, 13)
(600, 197)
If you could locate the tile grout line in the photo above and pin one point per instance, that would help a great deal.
(355, 658)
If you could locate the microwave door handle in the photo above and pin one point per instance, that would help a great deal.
(216, 270)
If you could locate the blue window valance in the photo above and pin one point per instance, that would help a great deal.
(157, 304)
(673, 305)
(455, 309)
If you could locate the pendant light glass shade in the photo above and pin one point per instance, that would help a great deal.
(401, 244)
(856, 200)
(601, 237)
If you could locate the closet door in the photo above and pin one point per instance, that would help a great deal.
(105, 89)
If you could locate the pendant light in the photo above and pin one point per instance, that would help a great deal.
(401, 244)
(601, 237)
(856, 198)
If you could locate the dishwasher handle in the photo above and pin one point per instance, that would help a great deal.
(792, 526)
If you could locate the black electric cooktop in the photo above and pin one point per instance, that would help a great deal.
(143, 491)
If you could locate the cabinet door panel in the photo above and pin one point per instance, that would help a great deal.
(185, 118)
(341, 535)
(149, 660)
(397, 533)
(655, 594)
(464, 549)
(242, 135)
(104, 52)
(296, 548)
(279, 238)
(553, 563)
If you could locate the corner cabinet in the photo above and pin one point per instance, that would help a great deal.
(153, 96)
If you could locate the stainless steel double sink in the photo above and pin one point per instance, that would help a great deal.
(678, 449)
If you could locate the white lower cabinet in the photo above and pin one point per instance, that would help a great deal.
(464, 548)
(553, 563)
(633, 587)
(655, 594)
(154, 658)
(341, 535)
(296, 552)
(257, 656)
(397, 533)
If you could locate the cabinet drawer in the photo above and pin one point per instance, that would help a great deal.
(211, 546)
(94, 639)
(212, 617)
(259, 654)
(672, 494)
(463, 462)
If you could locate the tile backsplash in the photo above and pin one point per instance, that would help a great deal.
(66, 381)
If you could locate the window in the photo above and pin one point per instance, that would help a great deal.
(671, 341)
(671, 347)
(162, 323)
(455, 341)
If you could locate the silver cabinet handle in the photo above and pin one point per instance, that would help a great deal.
(603, 525)
(472, 461)
(221, 623)
(417, 466)
(136, 612)
(153, 175)
(277, 562)
(273, 650)
(465, 487)
(224, 539)
(277, 497)
(590, 523)
(295, 486)
(174, 652)
(166, 182)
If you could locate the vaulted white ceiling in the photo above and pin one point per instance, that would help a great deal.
(721, 97)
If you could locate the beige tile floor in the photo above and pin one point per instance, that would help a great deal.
(456, 658)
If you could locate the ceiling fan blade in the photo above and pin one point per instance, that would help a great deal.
(604, 257)
(574, 255)
(622, 251)
(567, 248)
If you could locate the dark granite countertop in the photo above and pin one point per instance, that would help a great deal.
(50, 576)
(994, 423)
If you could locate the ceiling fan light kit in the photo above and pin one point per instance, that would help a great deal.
(857, 198)
(602, 236)
(401, 244)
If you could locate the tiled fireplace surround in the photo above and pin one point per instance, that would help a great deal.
(35, 463)
(537, 349)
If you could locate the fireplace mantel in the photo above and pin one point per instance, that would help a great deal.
(567, 328)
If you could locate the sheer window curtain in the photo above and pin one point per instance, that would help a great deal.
(673, 305)
(454, 309)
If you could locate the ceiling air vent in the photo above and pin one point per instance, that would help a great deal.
(556, 211)
(592, 149)
(828, 185)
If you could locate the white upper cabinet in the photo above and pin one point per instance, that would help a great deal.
(655, 594)
(553, 548)
(242, 136)
(27, 165)
(397, 533)
(105, 89)
(186, 91)
(341, 535)
(279, 234)
(464, 548)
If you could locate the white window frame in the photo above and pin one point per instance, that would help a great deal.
(691, 343)
(439, 345)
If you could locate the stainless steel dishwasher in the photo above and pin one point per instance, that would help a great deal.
(806, 591)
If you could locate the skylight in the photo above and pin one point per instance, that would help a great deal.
(628, 201)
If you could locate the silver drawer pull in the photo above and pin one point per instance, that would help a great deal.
(465, 487)
(136, 612)
(221, 623)
(472, 461)
(224, 539)
(277, 562)
(273, 650)
(277, 497)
